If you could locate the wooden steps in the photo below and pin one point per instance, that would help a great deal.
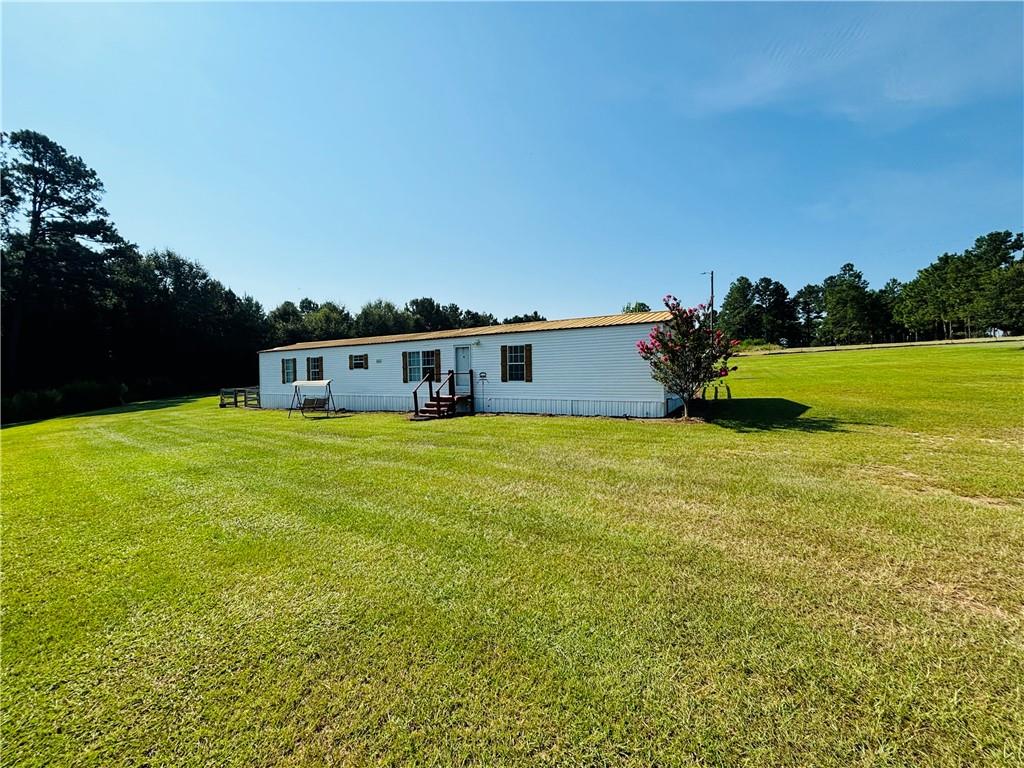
(442, 407)
(443, 402)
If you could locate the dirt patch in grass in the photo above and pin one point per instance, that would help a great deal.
(959, 598)
(904, 480)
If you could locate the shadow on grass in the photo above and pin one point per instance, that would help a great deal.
(142, 405)
(762, 414)
(328, 416)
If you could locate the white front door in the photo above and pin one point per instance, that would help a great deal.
(463, 362)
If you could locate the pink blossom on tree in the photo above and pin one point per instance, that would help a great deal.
(684, 353)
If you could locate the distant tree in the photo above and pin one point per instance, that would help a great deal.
(685, 353)
(980, 302)
(847, 307)
(1008, 299)
(170, 309)
(967, 293)
(429, 315)
(739, 317)
(924, 304)
(380, 318)
(912, 310)
(56, 243)
(328, 321)
(250, 330)
(473, 319)
(308, 305)
(635, 306)
(775, 312)
(533, 317)
(288, 324)
(452, 315)
(809, 304)
(47, 193)
(761, 310)
(882, 308)
(942, 293)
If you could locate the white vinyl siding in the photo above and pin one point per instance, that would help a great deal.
(584, 371)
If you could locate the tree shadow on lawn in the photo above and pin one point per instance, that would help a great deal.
(763, 414)
(141, 405)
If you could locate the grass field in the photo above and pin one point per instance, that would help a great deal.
(829, 573)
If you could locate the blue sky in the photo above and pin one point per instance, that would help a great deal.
(565, 158)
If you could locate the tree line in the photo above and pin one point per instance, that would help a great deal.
(308, 320)
(87, 319)
(90, 320)
(979, 292)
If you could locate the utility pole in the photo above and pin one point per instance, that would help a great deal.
(712, 273)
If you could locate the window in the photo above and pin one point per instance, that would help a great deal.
(287, 370)
(358, 361)
(517, 362)
(419, 364)
(314, 368)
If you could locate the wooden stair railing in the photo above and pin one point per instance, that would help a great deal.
(443, 401)
(429, 381)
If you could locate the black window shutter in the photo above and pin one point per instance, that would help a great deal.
(504, 363)
(528, 358)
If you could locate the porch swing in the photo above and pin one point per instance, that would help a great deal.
(312, 397)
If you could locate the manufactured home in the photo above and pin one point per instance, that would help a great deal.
(585, 366)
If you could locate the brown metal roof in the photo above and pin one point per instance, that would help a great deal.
(633, 318)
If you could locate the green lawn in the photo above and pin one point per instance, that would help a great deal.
(830, 573)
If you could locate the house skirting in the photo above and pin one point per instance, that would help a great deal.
(636, 409)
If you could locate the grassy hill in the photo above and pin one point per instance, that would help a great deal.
(828, 573)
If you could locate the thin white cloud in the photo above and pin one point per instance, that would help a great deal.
(863, 61)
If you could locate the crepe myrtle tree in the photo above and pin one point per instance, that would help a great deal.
(686, 354)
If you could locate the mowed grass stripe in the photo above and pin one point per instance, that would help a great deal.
(190, 585)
